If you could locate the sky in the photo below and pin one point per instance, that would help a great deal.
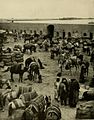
(46, 8)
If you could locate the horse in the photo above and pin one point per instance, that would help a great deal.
(55, 50)
(36, 110)
(27, 37)
(29, 46)
(22, 102)
(71, 63)
(14, 94)
(28, 61)
(74, 62)
(62, 60)
(33, 70)
(16, 69)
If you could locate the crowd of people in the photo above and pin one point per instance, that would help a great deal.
(67, 91)
(70, 50)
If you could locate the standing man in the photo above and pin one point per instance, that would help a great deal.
(63, 92)
(73, 92)
(63, 34)
(83, 73)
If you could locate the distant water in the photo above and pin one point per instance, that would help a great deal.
(59, 21)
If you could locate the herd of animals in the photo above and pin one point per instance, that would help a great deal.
(70, 52)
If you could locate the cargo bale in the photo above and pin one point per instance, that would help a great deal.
(20, 55)
(15, 105)
(88, 95)
(85, 110)
(24, 89)
(17, 52)
(27, 97)
(19, 59)
(53, 112)
(36, 109)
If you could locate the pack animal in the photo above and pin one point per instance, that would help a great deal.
(29, 46)
(16, 69)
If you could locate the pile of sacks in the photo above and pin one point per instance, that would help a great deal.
(37, 109)
(7, 58)
(17, 54)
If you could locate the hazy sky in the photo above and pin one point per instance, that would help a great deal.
(46, 8)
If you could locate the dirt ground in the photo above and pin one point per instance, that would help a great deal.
(48, 77)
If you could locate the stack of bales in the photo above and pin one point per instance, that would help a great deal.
(17, 54)
(7, 58)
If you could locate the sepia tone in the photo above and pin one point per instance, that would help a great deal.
(46, 59)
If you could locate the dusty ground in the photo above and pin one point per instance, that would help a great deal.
(48, 76)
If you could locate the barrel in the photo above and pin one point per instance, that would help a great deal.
(36, 109)
(53, 112)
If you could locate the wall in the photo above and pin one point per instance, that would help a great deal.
(42, 26)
